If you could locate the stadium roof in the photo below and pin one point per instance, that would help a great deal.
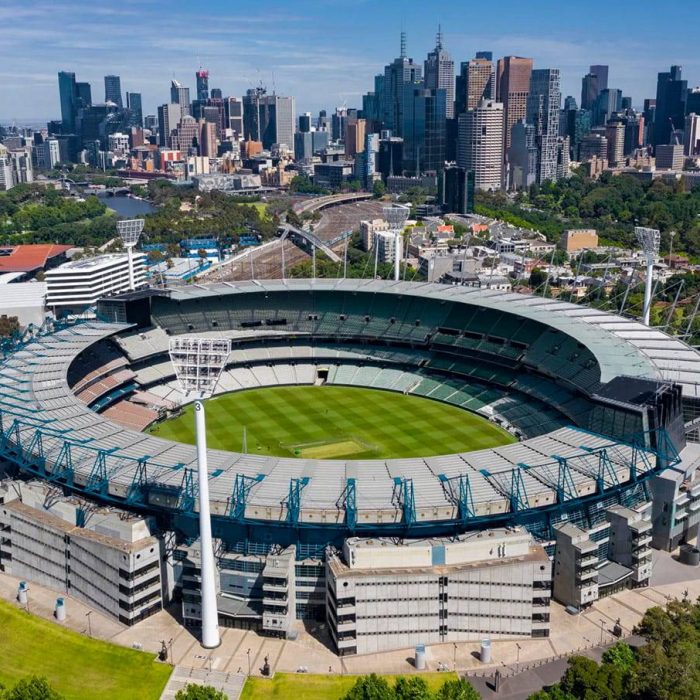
(28, 258)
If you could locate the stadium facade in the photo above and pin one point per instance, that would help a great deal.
(605, 409)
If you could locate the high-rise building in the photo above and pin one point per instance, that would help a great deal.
(543, 106)
(113, 89)
(180, 95)
(593, 146)
(68, 95)
(512, 88)
(390, 157)
(522, 156)
(186, 137)
(486, 55)
(615, 134)
(169, 116)
(400, 72)
(480, 144)
(692, 101)
(305, 122)
(608, 102)
(207, 139)
(601, 74)
(83, 94)
(456, 190)
(233, 116)
(216, 94)
(424, 129)
(589, 91)
(476, 81)
(202, 77)
(670, 106)
(269, 119)
(439, 73)
(133, 104)
(7, 181)
(692, 134)
(355, 130)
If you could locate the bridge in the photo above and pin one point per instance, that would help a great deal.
(330, 200)
(305, 239)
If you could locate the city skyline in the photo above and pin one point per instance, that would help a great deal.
(307, 53)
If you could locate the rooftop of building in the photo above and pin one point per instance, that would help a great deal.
(91, 264)
(28, 258)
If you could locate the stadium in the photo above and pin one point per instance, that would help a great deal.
(590, 418)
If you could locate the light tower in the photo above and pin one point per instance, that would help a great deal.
(649, 239)
(396, 216)
(198, 363)
(130, 230)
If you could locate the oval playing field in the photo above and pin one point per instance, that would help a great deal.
(333, 422)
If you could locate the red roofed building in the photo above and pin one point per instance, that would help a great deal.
(31, 258)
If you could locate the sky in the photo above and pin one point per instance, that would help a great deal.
(323, 52)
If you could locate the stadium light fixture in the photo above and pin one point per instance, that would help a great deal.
(130, 231)
(650, 240)
(198, 363)
(396, 216)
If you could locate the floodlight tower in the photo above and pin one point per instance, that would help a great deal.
(396, 216)
(649, 239)
(198, 363)
(130, 230)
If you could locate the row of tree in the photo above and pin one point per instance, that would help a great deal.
(375, 687)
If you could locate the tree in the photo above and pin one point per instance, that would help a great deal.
(411, 688)
(457, 690)
(378, 189)
(620, 655)
(371, 687)
(537, 278)
(33, 688)
(200, 692)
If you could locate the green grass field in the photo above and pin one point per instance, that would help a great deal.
(333, 422)
(316, 687)
(78, 667)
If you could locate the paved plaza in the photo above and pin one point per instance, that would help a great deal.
(242, 652)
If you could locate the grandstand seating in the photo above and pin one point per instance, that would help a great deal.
(130, 415)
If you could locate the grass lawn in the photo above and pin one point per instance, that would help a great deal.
(302, 686)
(260, 206)
(334, 422)
(79, 668)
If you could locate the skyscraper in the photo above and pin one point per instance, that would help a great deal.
(113, 89)
(424, 129)
(589, 91)
(169, 116)
(180, 95)
(670, 106)
(268, 118)
(523, 156)
(543, 105)
(399, 72)
(354, 138)
(133, 104)
(601, 74)
(608, 102)
(67, 93)
(439, 73)
(615, 134)
(84, 95)
(476, 81)
(512, 88)
(480, 144)
(202, 85)
(233, 116)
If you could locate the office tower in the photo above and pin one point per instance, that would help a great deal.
(338, 119)
(202, 77)
(476, 81)
(423, 129)
(691, 134)
(512, 88)
(543, 105)
(439, 73)
(133, 104)
(207, 139)
(305, 122)
(216, 94)
(480, 144)
(522, 156)
(7, 180)
(390, 157)
(68, 95)
(269, 119)
(113, 89)
(593, 146)
(233, 116)
(180, 96)
(692, 101)
(626, 103)
(186, 137)
(150, 121)
(169, 116)
(589, 91)
(456, 190)
(601, 74)
(670, 106)
(401, 71)
(83, 94)
(355, 130)
(486, 55)
(608, 102)
(615, 134)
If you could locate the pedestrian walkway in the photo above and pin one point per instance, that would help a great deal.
(230, 683)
